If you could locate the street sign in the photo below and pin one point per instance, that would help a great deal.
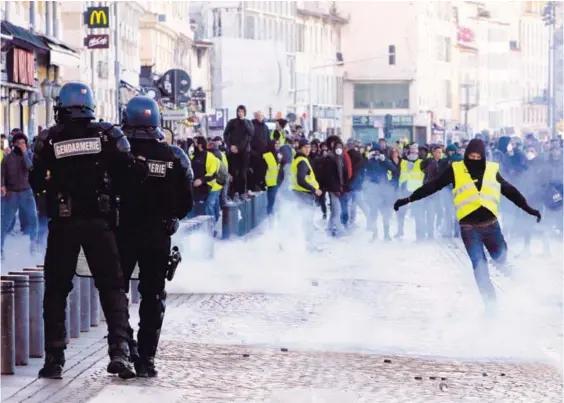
(179, 114)
(97, 17)
(97, 41)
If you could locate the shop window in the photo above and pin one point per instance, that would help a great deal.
(381, 96)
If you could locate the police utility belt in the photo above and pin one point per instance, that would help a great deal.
(105, 203)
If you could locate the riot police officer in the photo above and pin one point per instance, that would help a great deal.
(150, 215)
(80, 164)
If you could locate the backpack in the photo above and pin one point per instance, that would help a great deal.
(222, 174)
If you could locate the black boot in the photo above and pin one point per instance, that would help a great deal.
(133, 351)
(145, 367)
(119, 361)
(53, 367)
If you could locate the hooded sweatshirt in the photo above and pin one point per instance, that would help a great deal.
(239, 132)
(476, 169)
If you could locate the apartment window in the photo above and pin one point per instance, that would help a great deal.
(444, 46)
(392, 55)
(381, 96)
(448, 49)
(448, 94)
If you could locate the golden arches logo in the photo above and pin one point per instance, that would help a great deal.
(98, 17)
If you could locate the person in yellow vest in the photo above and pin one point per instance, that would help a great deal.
(219, 146)
(206, 189)
(477, 189)
(411, 177)
(278, 132)
(305, 187)
(272, 178)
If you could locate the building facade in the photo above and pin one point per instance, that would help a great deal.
(271, 56)
(33, 55)
(534, 43)
(408, 71)
(99, 64)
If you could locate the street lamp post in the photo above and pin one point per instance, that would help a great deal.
(50, 91)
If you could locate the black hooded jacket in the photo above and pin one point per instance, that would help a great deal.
(238, 132)
(476, 170)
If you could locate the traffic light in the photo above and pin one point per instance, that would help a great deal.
(388, 126)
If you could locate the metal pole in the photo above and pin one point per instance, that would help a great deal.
(49, 21)
(116, 55)
(21, 313)
(84, 304)
(31, 121)
(310, 105)
(94, 304)
(549, 96)
(553, 51)
(36, 289)
(8, 347)
(55, 5)
(134, 287)
(75, 308)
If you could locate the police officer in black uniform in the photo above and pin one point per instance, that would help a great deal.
(150, 215)
(81, 164)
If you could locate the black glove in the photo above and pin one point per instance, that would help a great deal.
(401, 202)
(535, 213)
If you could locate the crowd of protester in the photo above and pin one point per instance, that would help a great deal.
(342, 178)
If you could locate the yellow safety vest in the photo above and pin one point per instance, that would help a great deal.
(390, 175)
(271, 177)
(282, 137)
(412, 174)
(293, 152)
(310, 178)
(467, 198)
(212, 166)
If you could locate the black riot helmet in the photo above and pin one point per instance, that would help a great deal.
(142, 112)
(142, 119)
(75, 102)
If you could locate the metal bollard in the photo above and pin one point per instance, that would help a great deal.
(67, 321)
(85, 304)
(94, 304)
(21, 314)
(75, 308)
(8, 347)
(36, 334)
(133, 288)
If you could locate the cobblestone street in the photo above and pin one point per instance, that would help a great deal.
(362, 324)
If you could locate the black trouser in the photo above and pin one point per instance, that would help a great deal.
(148, 246)
(238, 167)
(98, 241)
(257, 171)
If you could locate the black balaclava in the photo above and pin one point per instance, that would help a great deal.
(476, 168)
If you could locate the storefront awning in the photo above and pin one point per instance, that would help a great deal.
(61, 54)
(24, 38)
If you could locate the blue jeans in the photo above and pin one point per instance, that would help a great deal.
(23, 201)
(271, 198)
(211, 205)
(345, 199)
(475, 239)
(42, 230)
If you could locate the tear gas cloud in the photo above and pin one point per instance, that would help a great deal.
(411, 298)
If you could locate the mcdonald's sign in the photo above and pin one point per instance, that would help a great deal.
(97, 17)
